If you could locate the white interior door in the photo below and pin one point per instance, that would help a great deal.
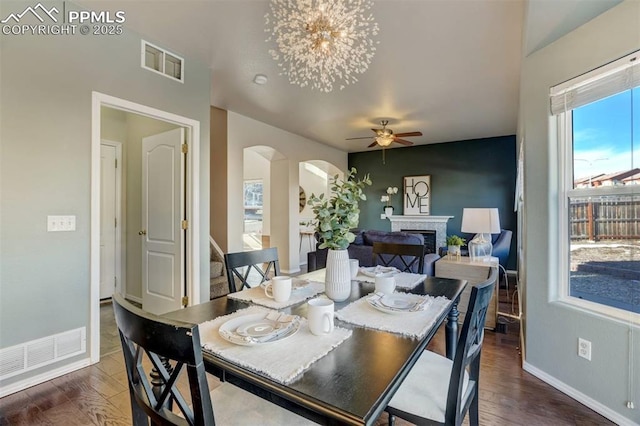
(108, 224)
(162, 246)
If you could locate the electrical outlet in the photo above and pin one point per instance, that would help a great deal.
(584, 349)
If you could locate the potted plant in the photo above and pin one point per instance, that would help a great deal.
(453, 245)
(388, 208)
(335, 216)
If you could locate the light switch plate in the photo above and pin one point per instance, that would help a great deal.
(61, 223)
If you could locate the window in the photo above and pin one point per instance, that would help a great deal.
(252, 214)
(598, 117)
(158, 60)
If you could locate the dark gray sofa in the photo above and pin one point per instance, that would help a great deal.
(362, 249)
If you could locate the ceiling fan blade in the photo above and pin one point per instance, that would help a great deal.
(365, 137)
(402, 141)
(404, 135)
(372, 145)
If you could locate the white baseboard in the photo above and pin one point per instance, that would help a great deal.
(591, 403)
(44, 377)
(134, 298)
(290, 271)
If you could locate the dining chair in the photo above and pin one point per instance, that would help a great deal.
(406, 257)
(243, 266)
(438, 391)
(156, 352)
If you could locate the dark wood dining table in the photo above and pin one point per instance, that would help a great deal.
(354, 382)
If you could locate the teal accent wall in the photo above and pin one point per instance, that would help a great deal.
(471, 173)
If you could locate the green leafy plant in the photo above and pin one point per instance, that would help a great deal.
(454, 240)
(336, 215)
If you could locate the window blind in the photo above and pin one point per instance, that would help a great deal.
(618, 76)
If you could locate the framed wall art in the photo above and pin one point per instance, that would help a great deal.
(417, 195)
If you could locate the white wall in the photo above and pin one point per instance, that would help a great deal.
(46, 85)
(553, 328)
(244, 132)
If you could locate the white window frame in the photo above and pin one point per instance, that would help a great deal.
(561, 292)
(164, 53)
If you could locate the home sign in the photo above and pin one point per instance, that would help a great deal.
(417, 195)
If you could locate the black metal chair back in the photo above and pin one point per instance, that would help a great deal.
(170, 346)
(406, 257)
(244, 265)
(468, 353)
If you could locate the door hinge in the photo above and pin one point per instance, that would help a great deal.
(185, 301)
(115, 282)
(116, 163)
(115, 222)
(185, 224)
(185, 148)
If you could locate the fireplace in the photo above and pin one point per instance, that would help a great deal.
(421, 223)
(429, 239)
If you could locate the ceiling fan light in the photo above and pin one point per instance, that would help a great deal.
(384, 140)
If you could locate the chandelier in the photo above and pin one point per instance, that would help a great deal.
(322, 43)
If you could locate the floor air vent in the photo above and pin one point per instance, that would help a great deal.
(38, 353)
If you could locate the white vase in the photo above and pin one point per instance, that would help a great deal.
(388, 211)
(337, 279)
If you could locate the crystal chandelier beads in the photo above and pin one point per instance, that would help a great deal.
(322, 43)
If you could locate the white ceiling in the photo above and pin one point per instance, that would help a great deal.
(448, 68)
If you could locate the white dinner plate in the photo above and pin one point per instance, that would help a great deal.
(397, 303)
(379, 271)
(257, 329)
(296, 283)
(299, 283)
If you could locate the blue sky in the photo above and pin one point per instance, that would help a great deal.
(603, 135)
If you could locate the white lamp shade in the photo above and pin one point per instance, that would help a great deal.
(480, 221)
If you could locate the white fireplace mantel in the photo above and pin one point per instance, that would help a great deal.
(422, 223)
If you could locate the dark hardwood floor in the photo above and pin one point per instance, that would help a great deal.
(98, 395)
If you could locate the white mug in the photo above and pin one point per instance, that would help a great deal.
(385, 284)
(320, 316)
(354, 264)
(279, 288)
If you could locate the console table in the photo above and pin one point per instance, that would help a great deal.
(463, 268)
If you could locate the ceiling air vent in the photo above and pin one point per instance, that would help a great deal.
(159, 60)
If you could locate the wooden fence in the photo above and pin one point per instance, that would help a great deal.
(605, 218)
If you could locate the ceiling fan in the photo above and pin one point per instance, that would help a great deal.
(384, 137)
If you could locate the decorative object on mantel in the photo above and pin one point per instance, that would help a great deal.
(322, 42)
(417, 195)
(388, 208)
(483, 222)
(334, 219)
(453, 245)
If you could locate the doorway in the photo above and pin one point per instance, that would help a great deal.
(184, 202)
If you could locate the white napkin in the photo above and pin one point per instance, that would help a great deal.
(404, 280)
(408, 280)
(373, 271)
(414, 324)
(256, 295)
(281, 361)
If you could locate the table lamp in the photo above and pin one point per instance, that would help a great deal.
(483, 223)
